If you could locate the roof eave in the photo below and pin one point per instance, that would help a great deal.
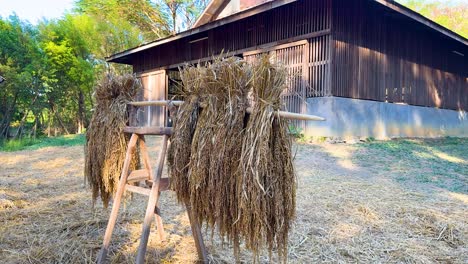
(210, 12)
(120, 57)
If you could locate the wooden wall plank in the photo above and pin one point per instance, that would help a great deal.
(372, 53)
(386, 57)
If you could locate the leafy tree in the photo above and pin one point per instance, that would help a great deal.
(19, 57)
(70, 74)
(450, 14)
(151, 19)
(134, 17)
(180, 14)
(51, 68)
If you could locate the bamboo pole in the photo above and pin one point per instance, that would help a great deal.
(284, 114)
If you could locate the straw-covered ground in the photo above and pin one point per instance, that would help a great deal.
(396, 201)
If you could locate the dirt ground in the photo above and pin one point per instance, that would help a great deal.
(394, 202)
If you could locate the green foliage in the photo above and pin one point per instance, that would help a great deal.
(296, 132)
(19, 59)
(321, 139)
(180, 14)
(147, 20)
(17, 144)
(51, 68)
(32, 143)
(449, 13)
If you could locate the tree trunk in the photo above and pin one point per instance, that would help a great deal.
(5, 126)
(174, 22)
(59, 119)
(81, 112)
(21, 127)
(49, 123)
(37, 124)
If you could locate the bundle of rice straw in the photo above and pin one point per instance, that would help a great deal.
(184, 128)
(217, 143)
(267, 180)
(105, 141)
(235, 170)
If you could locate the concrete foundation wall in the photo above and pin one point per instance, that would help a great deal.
(360, 118)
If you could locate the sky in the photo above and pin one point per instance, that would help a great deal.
(35, 10)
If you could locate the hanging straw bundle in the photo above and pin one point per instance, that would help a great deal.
(266, 175)
(105, 141)
(184, 127)
(237, 175)
(217, 144)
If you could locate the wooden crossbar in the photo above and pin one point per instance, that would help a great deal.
(149, 130)
(284, 114)
(137, 189)
(138, 175)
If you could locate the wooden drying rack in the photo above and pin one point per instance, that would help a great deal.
(155, 184)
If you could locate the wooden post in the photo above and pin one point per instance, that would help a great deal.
(197, 235)
(146, 160)
(118, 197)
(152, 201)
(144, 153)
(158, 185)
(159, 223)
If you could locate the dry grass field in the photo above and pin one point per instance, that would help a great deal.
(402, 201)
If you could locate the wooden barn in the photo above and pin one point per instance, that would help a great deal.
(373, 68)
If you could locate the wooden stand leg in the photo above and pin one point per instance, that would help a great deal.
(197, 235)
(159, 223)
(153, 200)
(118, 197)
(145, 155)
(146, 160)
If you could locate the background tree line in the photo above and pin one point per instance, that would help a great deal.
(51, 68)
(452, 14)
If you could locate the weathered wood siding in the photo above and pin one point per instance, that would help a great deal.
(289, 21)
(154, 88)
(294, 57)
(308, 60)
(348, 48)
(319, 66)
(385, 56)
(308, 66)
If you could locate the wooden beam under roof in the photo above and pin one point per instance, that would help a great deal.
(124, 56)
(120, 57)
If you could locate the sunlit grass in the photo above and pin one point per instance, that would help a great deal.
(31, 143)
(441, 162)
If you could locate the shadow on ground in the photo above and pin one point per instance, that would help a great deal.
(394, 201)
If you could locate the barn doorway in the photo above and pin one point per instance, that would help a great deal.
(154, 88)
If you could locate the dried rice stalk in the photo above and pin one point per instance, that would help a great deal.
(217, 144)
(237, 177)
(105, 141)
(184, 128)
(266, 180)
